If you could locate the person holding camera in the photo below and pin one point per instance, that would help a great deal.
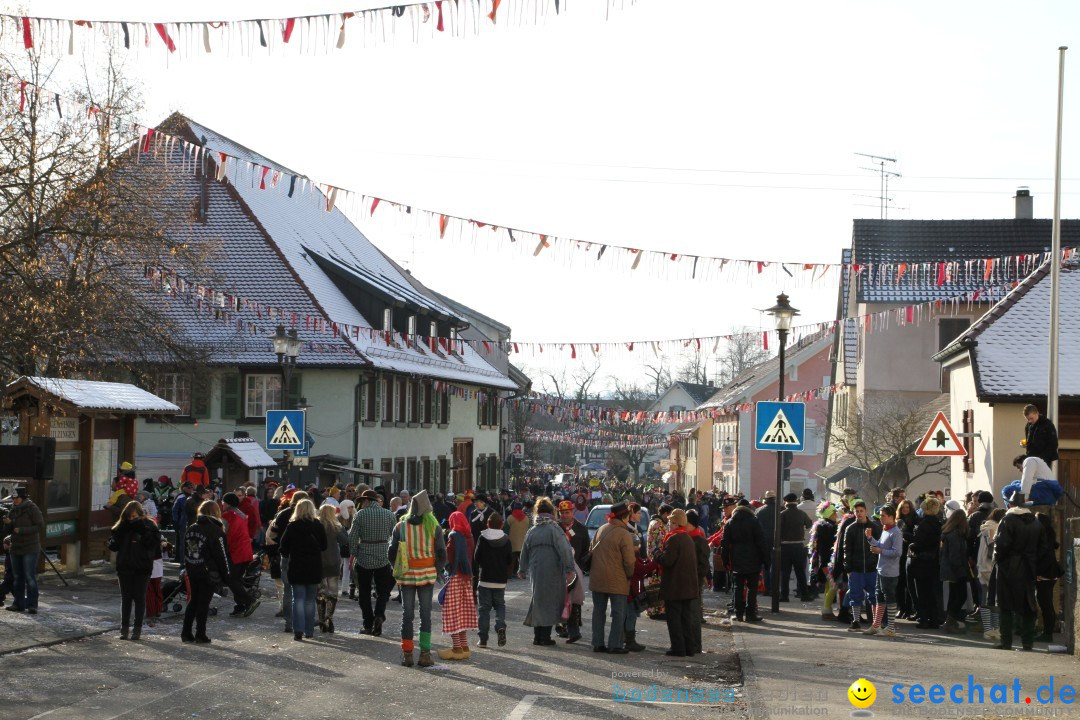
(25, 523)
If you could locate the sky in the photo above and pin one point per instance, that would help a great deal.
(693, 126)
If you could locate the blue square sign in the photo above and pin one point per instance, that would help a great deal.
(780, 426)
(285, 429)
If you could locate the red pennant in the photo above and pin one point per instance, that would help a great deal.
(765, 340)
(262, 180)
(146, 140)
(941, 273)
(494, 9)
(374, 204)
(443, 222)
(286, 33)
(910, 313)
(438, 6)
(27, 35)
(573, 352)
(160, 27)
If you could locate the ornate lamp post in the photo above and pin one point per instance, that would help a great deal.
(783, 314)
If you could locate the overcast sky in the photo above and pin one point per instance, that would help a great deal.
(694, 126)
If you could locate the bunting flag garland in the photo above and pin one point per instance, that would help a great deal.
(225, 307)
(946, 275)
(629, 442)
(308, 34)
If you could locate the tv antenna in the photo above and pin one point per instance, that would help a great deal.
(886, 174)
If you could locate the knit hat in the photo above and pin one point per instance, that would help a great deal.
(420, 504)
(22, 492)
(985, 496)
(230, 498)
(791, 497)
(951, 505)
(677, 518)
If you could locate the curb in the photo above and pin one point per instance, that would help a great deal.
(59, 641)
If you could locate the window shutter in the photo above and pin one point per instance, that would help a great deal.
(359, 406)
(200, 398)
(378, 398)
(293, 398)
(230, 396)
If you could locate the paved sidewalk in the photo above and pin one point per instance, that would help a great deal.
(90, 605)
(796, 663)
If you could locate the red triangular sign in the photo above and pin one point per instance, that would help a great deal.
(940, 440)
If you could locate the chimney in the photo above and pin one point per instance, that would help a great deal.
(1025, 209)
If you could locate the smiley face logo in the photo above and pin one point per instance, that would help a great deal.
(862, 693)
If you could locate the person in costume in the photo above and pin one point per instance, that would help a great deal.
(418, 556)
(578, 535)
(822, 541)
(458, 605)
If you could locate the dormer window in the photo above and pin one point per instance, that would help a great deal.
(412, 326)
(434, 329)
(388, 319)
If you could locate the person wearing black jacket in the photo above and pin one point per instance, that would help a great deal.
(704, 569)
(975, 521)
(743, 550)
(492, 560)
(1047, 571)
(479, 515)
(303, 543)
(1018, 545)
(766, 516)
(207, 568)
(793, 526)
(134, 539)
(924, 566)
(859, 563)
(1040, 436)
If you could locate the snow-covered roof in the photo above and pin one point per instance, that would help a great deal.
(98, 396)
(244, 451)
(318, 246)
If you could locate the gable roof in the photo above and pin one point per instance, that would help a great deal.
(93, 395)
(246, 452)
(890, 242)
(291, 253)
(751, 381)
(697, 392)
(1009, 346)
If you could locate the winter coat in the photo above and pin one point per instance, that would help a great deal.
(793, 524)
(1047, 566)
(135, 543)
(1042, 439)
(838, 548)
(303, 543)
(206, 554)
(237, 536)
(678, 563)
(975, 522)
(331, 554)
(478, 520)
(701, 545)
(857, 555)
(766, 515)
(891, 545)
(250, 507)
(179, 513)
(984, 560)
(1017, 546)
(195, 473)
(578, 535)
(26, 525)
(612, 559)
(954, 557)
(924, 549)
(492, 558)
(743, 545)
(547, 559)
(516, 530)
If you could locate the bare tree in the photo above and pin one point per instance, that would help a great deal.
(635, 397)
(659, 376)
(81, 220)
(741, 353)
(881, 438)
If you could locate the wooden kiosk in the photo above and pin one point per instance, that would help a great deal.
(93, 425)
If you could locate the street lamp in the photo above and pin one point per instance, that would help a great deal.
(287, 349)
(783, 314)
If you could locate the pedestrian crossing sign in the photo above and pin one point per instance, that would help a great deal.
(780, 426)
(285, 429)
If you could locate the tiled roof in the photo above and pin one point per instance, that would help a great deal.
(1009, 346)
(697, 392)
(887, 243)
(849, 334)
(281, 251)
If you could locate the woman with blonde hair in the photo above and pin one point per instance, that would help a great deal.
(134, 539)
(303, 543)
(924, 566)
(329, 586)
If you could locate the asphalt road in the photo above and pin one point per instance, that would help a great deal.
(255, 670)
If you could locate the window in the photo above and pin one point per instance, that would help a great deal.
(369, 400)
(434, 327)
(176, 388)
(487, 409)
(842, 409)
(677, 408)
(261, 393)
(413, 476)
(63, 489)
(949, 329)
(425, 468)
(387, 319)
(387, 399)
(386, 465)
(399, 472)
(444, 407)
(368, 464)
(414, 401)
(412, 327)
(402, 398)
(427, 404)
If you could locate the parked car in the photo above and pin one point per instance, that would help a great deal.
(598, 516)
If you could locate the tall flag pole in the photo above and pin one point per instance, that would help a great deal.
(1052, 389)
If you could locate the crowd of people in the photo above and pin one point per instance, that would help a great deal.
(935, 562)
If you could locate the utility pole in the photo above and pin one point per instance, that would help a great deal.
(1055, 259)
(886, 175)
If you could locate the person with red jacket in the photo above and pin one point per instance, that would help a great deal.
(249, 505)
(238, 540)
(196, 472)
